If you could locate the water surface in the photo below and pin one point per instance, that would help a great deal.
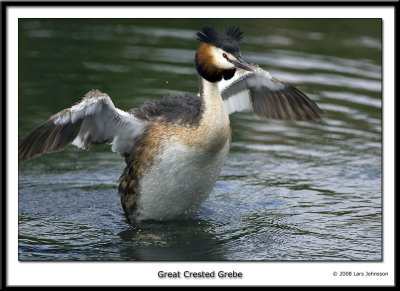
(289, 191)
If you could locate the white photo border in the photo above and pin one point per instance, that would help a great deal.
(145, 273)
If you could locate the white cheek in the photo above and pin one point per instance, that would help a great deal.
(220, 61)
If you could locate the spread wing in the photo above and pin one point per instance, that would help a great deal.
(94, 120)
(267, 96)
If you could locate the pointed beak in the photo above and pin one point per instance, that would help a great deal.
(240, 63)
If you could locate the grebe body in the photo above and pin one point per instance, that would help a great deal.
(175, 148)
(177, 164)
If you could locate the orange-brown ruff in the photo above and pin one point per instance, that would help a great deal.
(175, 147)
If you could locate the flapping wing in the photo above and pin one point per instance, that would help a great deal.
(94, 120)
(267, 96)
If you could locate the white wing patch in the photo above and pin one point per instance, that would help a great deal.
(238, 102)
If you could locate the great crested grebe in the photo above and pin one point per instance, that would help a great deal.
(175, 148)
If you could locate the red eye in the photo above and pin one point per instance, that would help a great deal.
(224, 55)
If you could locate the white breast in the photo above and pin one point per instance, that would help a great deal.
(179, 180)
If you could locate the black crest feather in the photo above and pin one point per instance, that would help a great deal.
(208, 35)
(234, 32)
(226, 40)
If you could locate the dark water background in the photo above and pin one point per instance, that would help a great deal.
(288, 191)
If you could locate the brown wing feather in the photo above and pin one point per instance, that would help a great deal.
(47, 138)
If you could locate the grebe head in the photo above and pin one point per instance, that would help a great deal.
(219, 55)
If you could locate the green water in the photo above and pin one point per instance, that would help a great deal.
(288, 191)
